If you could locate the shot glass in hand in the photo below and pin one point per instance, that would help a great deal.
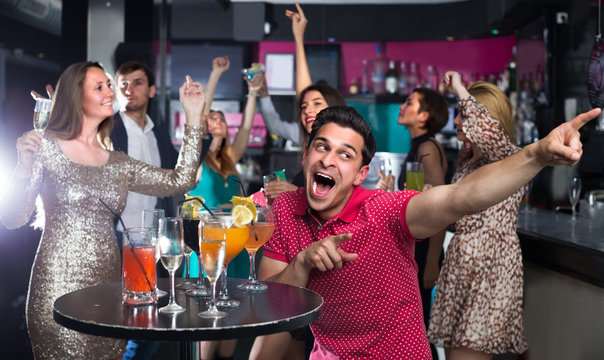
(267, 179)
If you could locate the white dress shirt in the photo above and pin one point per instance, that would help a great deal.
(142, 146)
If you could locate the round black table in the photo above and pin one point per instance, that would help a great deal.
(98, 310)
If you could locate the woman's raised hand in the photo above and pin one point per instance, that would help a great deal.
(27, 145)
(192, 99)
(299, 21)
(452, 80)
(221, 64)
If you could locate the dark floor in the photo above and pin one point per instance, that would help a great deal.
(169, 350)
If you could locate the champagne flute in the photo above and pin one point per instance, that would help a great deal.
(151, 220)
(172, 249)
(574, 191)
(41, 114)
(212, 244)
(386, 167)
(259, 233)
(236, 238)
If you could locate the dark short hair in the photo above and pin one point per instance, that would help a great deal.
(437, 107)
(133, 65)
(348, 117)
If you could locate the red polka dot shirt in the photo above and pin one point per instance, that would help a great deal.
(372, 306)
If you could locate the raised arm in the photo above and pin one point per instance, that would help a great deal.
(440, 206)
(243, 135)
(219, 66)
(299, 22)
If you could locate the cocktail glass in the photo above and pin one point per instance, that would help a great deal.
(259, 233)
(139, 274)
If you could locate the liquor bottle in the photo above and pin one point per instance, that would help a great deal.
(412, 79)
(511, 72)
(391, 78)
(378, 76)
(430, 78)
(365, 78)
(403, 89)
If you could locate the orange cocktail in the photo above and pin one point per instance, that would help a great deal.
(236, 239)
(138, 273)
(263, 230)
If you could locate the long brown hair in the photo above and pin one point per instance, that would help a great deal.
(66, 116)
(332, 97)
(224, 163)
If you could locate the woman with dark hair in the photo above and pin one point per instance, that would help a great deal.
(423, 114)
(70, 168)
(311, 98)
(477, 308)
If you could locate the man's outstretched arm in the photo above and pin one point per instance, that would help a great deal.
(442, 205)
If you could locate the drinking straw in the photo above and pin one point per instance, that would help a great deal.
(245, 194)
(129, 242)
(202, 204)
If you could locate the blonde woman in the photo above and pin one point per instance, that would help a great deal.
(477, 310)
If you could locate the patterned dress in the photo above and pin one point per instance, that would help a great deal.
(78, 247)
(478, 302)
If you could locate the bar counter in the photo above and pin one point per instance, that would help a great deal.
(563, 284)
(550, 239)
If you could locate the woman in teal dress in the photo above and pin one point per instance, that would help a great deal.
(217, 175)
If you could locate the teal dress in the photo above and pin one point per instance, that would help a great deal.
(215, 191)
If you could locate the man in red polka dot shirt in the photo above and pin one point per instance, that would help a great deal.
(355, 246)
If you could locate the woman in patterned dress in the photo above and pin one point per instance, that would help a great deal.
(70, 168)
(477, 310)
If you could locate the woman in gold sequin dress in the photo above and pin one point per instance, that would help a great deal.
(477, 310)
(70, 168)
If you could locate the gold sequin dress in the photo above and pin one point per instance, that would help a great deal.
(78, 246)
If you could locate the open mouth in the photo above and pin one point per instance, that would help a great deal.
(322, 184)
(309, 121)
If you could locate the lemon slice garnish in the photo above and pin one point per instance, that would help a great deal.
(247, 202)
(191, 207)
(241, 216)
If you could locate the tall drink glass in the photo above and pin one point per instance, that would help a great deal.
(212, 248)
(139, 274)
(259, 233)
(191, 225)
(415, 176)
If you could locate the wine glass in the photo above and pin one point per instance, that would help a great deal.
(212, 246)
(574, 191)
(260, 231)
(191, 223)
(187, 284)
(151, 220)
(236, 238)
(41, 114)
(171, 247)
(386, 167)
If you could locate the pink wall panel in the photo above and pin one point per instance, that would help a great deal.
(481, 56)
